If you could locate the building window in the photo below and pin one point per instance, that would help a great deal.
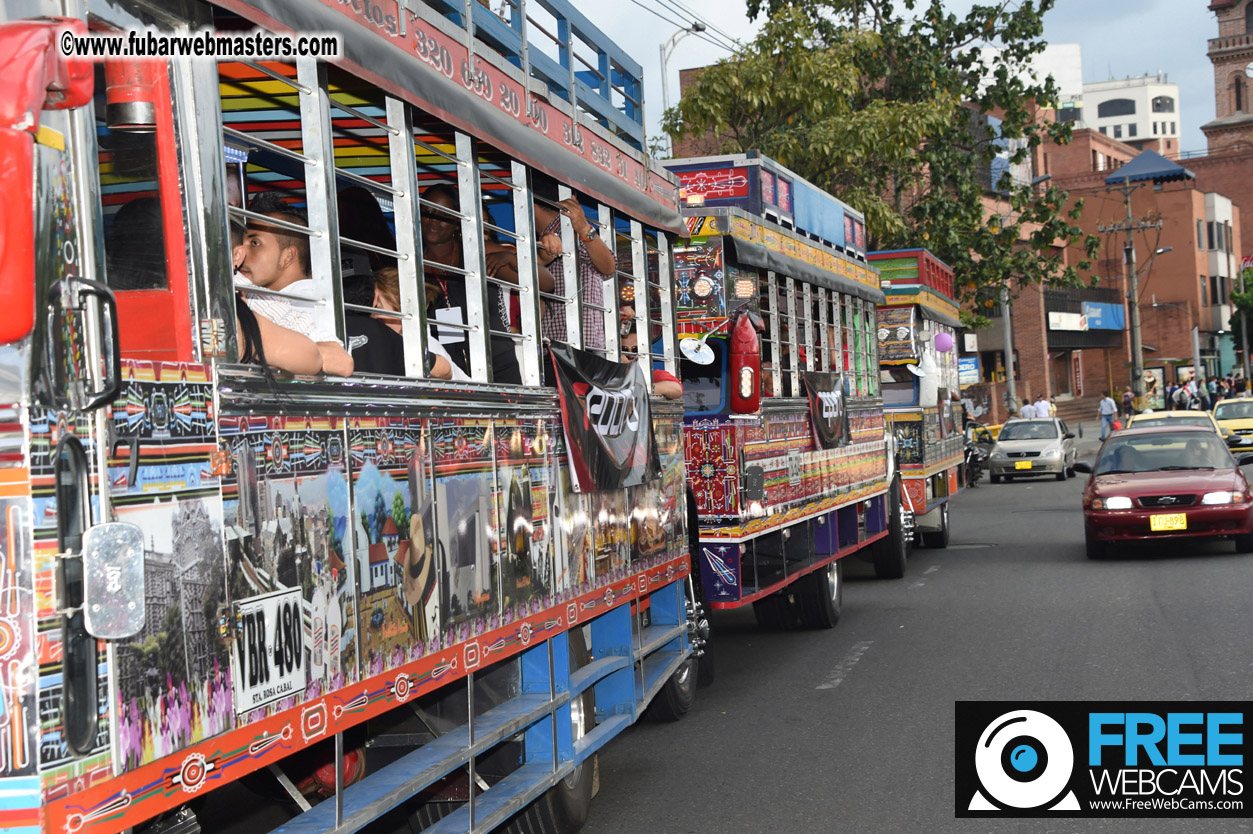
(1154, 128)
(1214, 289)
(1248, 19)
(1204, 293)
(1117, 131)
(1173, 129)
(1238, 88)
(1163, 104)
(1209, 236)
(1200, 234)
(1116, 107)
(1131, 129)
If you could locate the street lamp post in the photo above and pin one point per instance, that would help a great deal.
(667, 49)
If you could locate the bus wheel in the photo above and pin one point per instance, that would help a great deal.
(891, 551)
(564, 807)
(675, 698)
(823, 596)
(774, 613)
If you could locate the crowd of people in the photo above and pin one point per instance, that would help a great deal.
(1203, 395)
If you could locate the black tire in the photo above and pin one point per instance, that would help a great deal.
(822, 596)
(1244, 542)
(891, 551)
(1070, 471)
(563, 808)
(938, 539)
(1096, 549)
(1061, 476)
(996, 479)
(675, 698)
(774, 613)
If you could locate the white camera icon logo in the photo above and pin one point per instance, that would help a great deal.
(1024, 761)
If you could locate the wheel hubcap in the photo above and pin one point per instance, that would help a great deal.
(833, 580)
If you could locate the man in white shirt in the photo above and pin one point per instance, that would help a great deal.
(1107, 408)
(277, 259)
(1028, 410)
(1041, 406)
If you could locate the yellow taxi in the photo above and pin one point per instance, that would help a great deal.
(1186, 418)
(1236, 416)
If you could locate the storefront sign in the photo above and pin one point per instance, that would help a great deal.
(1076, 360)
(968, 370)
(1068, 321)
(1104, 316)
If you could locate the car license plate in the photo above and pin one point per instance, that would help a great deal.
(1022, 464)
(1168, 521)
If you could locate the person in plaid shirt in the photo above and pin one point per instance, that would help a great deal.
(595, 263)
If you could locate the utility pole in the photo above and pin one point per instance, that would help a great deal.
(1244, 318)
(1007, 334)
(1130, 225)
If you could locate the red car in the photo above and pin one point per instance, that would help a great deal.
(1165, 482)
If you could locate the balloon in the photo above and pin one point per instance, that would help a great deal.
(943, 342)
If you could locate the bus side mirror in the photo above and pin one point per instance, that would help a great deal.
(113, 581)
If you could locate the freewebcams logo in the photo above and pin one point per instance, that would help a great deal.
(1101, 759)
(1024, 761)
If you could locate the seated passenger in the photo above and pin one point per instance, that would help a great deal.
(387, 297)
(277, 259)
(135, 247)
(261, 341)
(446, 290)
(665, 384)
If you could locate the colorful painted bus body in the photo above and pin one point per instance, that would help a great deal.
(310, 557)
(785, 490)
(917, 332)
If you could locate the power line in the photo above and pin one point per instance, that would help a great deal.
(679, 8)
(679, 24)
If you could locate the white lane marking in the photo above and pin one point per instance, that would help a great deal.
(935, 568)
(845, 666)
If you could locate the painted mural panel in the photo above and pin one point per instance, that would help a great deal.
(465, 526)
(528, 561)
(287, 533)
(18, 673)
(395, 556)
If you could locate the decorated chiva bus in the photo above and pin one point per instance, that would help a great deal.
(787, 458)
(918, 357)
(327, 489)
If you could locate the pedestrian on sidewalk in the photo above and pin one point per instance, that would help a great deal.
(1028, 410)
(1128, 403)
(1041, 406)
(1108, 409)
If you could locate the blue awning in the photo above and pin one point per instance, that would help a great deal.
(1150, 165)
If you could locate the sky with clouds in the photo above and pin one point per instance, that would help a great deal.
(1119, 38)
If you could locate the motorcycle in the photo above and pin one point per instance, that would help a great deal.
(976, 460)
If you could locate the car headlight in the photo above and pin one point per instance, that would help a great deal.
(1049, 453)
(999, 454)
(1223, 497)
(1116, 502)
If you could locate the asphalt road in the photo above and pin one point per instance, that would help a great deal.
(851, 729)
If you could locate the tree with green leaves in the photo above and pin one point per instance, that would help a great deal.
(899, 108)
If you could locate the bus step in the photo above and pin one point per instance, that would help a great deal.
(379, 792)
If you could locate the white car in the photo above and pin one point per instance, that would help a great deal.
(1042, 446)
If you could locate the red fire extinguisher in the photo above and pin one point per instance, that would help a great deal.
(130, 95)
(745, 366)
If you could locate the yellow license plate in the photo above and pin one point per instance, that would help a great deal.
(1022, 464)
(1168, 521)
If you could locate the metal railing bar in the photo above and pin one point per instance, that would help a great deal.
(368, 183)
(370, 247)
(432, 149)
(277, 222)
(262, 144)
(278, 76)
(352, 111)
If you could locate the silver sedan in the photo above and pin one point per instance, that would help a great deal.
(1033, 447)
